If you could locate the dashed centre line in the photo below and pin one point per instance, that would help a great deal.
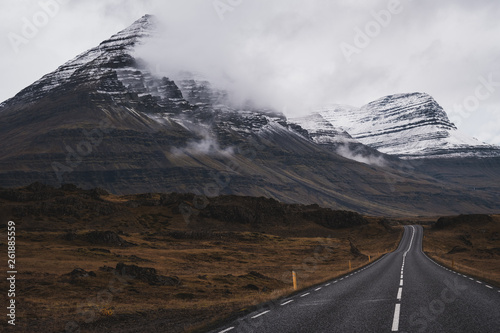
(227, 330)
(395, 321)
(304, 294)
(290, 301)
(399, 293)
(397, 308)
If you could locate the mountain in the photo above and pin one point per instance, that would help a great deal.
(104, 119)
(406, 125)
(90, 66)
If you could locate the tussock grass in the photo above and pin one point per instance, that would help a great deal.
(470, 248)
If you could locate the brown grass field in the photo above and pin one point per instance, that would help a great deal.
(218, 277)
(223, 267)
(470, 245)
(218, 264)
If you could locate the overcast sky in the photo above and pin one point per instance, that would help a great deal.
(293, 55)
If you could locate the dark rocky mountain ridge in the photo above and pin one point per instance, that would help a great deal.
(103, 119)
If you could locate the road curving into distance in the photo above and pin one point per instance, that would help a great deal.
(404, 291)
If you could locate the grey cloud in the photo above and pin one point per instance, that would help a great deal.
(286, 53)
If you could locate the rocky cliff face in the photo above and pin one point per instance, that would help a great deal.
(337, 140)
(321, 130)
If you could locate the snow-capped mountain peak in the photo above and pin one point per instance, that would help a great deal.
(406, 125)
(110, 53)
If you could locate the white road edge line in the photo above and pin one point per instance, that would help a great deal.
(395, 321)
(286, 302)
(317, 289)
(304, 294)
(401, 282)
(488, 286)
(260, 314)
(227, 330)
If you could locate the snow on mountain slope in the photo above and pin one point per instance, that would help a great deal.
(406, 125)
(197, 89)
(321, 130)
(93, 64)
(112, 69)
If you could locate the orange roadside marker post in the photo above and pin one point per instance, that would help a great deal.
(294, 277)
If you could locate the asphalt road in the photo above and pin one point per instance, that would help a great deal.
(404, 291)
